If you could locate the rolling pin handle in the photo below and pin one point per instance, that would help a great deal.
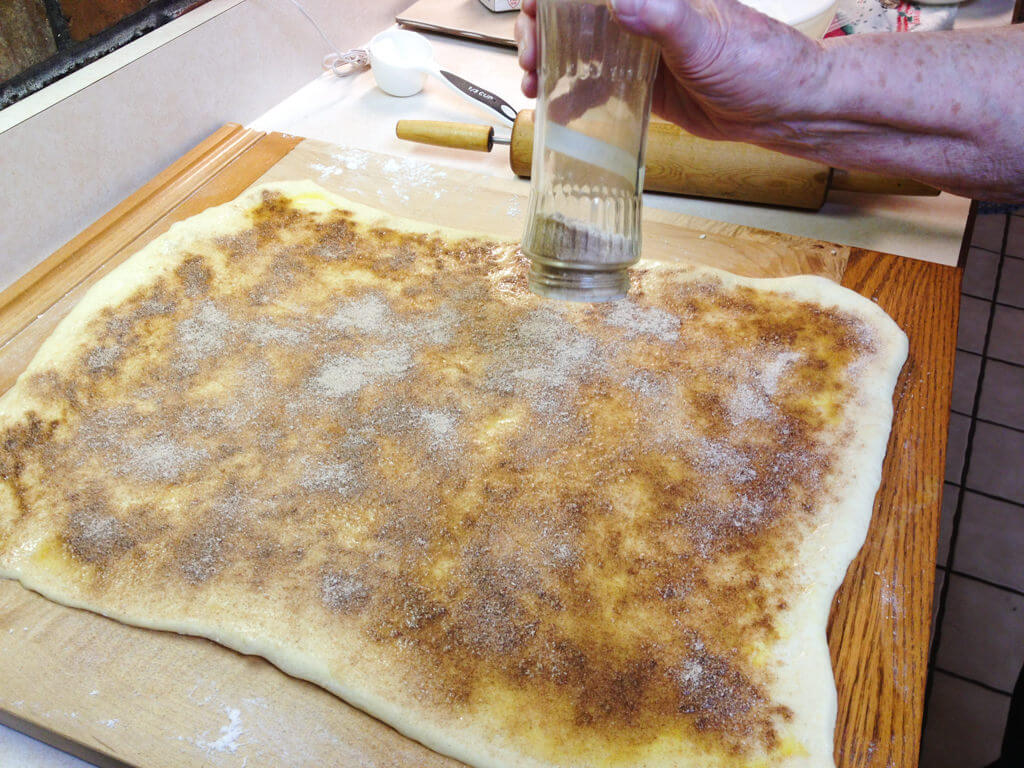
(479, 138)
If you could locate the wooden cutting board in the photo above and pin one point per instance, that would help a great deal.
(120, 695)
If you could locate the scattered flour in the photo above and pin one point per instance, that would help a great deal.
(228, 739)
(408, 174)
(351, 159)
(326, 171)
(890, 600)
(344, 160)
(275, 737)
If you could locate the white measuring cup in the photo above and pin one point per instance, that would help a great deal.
(402, 60)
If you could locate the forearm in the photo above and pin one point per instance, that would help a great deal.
(944, 108)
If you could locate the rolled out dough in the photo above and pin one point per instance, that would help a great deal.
(524, 533)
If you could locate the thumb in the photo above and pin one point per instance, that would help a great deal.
(690, 32)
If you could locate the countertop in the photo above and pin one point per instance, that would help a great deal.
(352, 111)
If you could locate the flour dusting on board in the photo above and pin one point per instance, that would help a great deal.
(326, 171)
(343, 160)
(282, 734)
(227, 741)
(408, 175)
(404, 177)
(891, 604)
(351, 159)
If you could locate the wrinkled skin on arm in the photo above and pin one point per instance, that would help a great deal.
(945, 108)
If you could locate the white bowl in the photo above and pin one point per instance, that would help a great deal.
(812, 17)
(396, 58)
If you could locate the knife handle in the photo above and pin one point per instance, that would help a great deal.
(479, 138)
(481, 97)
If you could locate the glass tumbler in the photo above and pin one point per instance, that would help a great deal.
(593, 106)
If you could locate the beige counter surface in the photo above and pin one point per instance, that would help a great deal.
(353, 112)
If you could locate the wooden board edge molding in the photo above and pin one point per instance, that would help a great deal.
(143, 211)
(885, 602)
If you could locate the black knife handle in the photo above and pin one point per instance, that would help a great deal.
(493, 103)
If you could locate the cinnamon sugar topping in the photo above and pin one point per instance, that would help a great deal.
(589, 509)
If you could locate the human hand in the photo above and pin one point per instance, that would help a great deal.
(727, 71)
(526, 38)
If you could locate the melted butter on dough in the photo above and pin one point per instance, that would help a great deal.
(576, 522)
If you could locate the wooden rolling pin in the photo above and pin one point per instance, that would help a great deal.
(682, 164)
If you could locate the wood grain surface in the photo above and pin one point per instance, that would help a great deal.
(120, 695)
(880, 624)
